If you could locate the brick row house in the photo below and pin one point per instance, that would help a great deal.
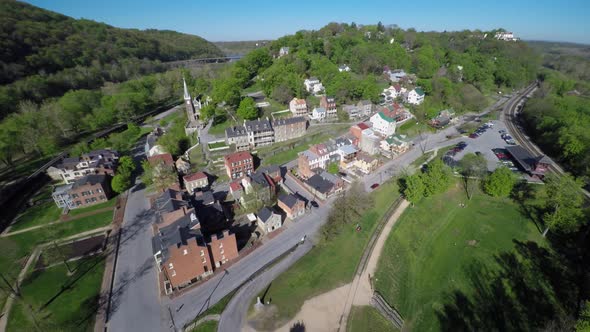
(329, 104)
(263, 132)
(183, 253)
(238, 164)
(86, 191)
(298, 107)
(319, 156)
(292, 205)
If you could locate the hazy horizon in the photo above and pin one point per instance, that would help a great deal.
(237, 21)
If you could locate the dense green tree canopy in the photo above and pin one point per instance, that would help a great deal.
(500, 182)
(247, 109)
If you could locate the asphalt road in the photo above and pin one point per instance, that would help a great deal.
(136, 305)
(135, 302)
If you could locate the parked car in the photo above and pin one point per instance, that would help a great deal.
(314, 204)
(474, 135)
(502, 131)
(374, 185)
(478, 153)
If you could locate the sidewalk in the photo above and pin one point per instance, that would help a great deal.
(110, 262)
(7, 232)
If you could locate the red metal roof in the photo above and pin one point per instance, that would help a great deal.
(195, 176)
(166, 158)
(238, 156)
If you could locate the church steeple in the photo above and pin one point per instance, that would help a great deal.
(190, 107)
(187, 96)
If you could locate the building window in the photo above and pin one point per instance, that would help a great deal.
(173, 273)
(185, 252)
(222, 251)
(202, 253)
(204, 260)
(221, 245)
(170, 266)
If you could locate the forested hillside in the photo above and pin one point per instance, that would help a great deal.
(456, 69)
(44, 54)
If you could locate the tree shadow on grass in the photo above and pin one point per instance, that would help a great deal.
(532, 288)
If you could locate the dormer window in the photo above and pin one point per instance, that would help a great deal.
(170, 266)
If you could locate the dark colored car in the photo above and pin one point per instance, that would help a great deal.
(478, 153)
(374, 185)
(314, 204)
(461, 145)
(474, 135)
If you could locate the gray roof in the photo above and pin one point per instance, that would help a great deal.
(100, 153)
(320, 184)
(259, 178)
(342, 141)
(348, 149)
(270, 169)
(265, 214)
(167, 202)
(235, 131)
(330, 177)
(91, 179)
(288, 121)
(151, 141)
(62, 189)
(258, 125)
(205, 197)
(289, 200)
(320, 110)
(177, 233)
(365, 102)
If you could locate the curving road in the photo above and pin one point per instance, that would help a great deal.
(136, 306)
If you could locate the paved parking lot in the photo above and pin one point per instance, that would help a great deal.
(485, 143)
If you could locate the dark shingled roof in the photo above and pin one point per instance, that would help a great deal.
(264, 214)
(91, 179)
(178, 233)
(236, 131)
(320, 184)
(289, 200)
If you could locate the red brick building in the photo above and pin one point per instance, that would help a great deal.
(292, 205)
(90, 189)
(357, 130)
(329, 103)
(222, 248)
(239, 164)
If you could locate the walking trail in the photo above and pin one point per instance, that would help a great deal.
(330, 311)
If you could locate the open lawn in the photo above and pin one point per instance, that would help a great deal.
(438, 249)
(413, 128)
(283, 152)
(71, 300)
(110, 203)
(17, 247)
(218, 127)
(37, 215)
(368, 319)
(328, 265)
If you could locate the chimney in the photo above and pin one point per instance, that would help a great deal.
(213, 237)
(226, 232)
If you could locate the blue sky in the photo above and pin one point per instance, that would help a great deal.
(228, 20)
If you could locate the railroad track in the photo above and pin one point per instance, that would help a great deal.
(511, 119)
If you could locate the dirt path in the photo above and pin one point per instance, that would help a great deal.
(330, 311)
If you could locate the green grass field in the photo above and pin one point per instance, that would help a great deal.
(110, 203)
(368, 319)
(37, 215)
(434, 246)
(17, 247)
(329, 265)
(75, 298)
